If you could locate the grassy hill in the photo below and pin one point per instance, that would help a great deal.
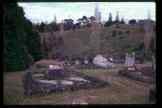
(112, 40)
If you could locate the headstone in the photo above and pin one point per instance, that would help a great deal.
(85, 61)
(77, 62)
(130, 59)
(55, 71)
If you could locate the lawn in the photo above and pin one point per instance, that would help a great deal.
(121, 91)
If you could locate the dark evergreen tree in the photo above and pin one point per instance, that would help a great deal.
(110, 17)
(132, 21)
(117, 18)
(42, 27)
(17, 31)
(122, 21)
(15, 56)
(109, 22)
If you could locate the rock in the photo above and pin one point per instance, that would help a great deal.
(101, 61)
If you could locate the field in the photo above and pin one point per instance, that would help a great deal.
(121, 91)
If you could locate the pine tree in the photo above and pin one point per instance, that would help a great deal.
(18, 53)
(110, 17)
(122, 21)
(117, 17)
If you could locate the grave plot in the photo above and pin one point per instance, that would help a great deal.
(141, 72)
(145, 74)
(58, 78)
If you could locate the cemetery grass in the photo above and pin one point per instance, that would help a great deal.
(121, 91)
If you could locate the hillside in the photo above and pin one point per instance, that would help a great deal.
(112, 40)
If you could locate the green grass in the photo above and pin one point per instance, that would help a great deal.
(120, 91)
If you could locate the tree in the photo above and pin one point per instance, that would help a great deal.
(117, 17)
(54, 26)
(68, 24)
(109, 22)
(92, 19)
(85, 20)
(110, 17)
(15, 56)
(132, 21)
(122, 21)
(17, 30)
(42, 27)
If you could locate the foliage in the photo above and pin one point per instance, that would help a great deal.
(32, 42)
(16, 54)
(42, 27)
(122, 21)
(68, 24)
(130, 50)
(133, 21)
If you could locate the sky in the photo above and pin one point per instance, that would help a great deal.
(46, 11)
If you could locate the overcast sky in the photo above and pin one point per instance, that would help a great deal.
(45, 11)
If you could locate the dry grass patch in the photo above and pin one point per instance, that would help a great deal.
(121, 91)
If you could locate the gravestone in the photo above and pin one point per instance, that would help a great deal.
(130, 59)
(77, 62)
(85, 61)
(55, 72)
(27, 82)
